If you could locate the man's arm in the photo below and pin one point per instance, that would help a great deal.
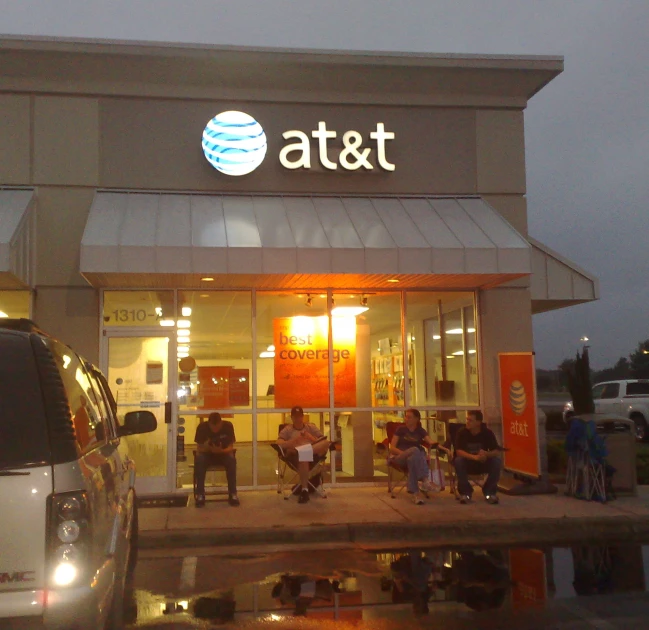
(393, 444)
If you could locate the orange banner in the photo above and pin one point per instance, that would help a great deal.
(518, 405)
(302, 361)
(528, 575)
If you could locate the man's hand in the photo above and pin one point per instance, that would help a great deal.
(481, 456)
(217, 450)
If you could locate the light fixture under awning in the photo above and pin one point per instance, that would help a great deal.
(15, 238)
(164, 239)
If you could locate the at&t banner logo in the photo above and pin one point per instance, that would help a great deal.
(234, 143)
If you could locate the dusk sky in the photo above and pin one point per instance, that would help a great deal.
(587, 132)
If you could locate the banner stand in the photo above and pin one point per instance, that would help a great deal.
(524, 436)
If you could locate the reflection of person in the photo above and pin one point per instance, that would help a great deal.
(407, 450)
(482, 579)
(302, 591)
(215, 445)
(476, 452)
(299, 434)
(411, 574)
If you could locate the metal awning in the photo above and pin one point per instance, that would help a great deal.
(557, 282)
(15, 238)
(164, 239)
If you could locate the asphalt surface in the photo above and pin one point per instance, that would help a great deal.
(207, 588)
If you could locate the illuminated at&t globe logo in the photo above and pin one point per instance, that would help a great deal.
(234, 143)
(517, 398)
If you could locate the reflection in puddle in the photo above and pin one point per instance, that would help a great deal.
(361, 588)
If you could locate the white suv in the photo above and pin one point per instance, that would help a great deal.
(69, 517)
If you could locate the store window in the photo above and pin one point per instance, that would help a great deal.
(443, 349)
(14, 304)
(139, 308)
(292, 350)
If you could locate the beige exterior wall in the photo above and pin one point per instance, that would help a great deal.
(72, 315)
(505, 316)
(15, 138)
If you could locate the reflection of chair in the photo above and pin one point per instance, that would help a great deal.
(397, 475)
(288, 477)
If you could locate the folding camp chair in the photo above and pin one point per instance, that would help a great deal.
(587, 452)
(448, 447)
(216, 490)
(398, 475)
(288, 476)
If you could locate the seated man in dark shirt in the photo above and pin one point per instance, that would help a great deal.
(215, 445)
(407, 450)
(477, 452)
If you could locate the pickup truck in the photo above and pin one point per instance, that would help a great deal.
(629, 398)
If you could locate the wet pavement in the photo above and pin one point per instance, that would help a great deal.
(600, 586)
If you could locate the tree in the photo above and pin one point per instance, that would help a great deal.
(579, 384)
(620, 371)
(639, 361)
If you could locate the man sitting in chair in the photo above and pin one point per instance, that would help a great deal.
(296, 435)
(215, 445)
(407, 450)
(476, 452)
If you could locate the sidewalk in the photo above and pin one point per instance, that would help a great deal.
(368, 517)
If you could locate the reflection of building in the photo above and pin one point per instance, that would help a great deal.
(391, 197)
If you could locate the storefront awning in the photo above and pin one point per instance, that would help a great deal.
(15, 238)
(173, 240)
(557, 282)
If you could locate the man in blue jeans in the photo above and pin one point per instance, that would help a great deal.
(477, 452)
(215, 445)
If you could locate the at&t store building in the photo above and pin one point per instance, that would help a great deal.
(243, 230)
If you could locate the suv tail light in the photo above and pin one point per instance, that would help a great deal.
(69, 538)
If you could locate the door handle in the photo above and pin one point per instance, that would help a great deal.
(168, 413)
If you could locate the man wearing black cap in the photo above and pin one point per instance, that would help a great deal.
(215, 444)
(297, 434)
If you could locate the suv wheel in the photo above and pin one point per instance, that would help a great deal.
(641, 431)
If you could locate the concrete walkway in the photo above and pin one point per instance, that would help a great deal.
(368, 517)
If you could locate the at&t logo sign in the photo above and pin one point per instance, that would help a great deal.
(234, 143)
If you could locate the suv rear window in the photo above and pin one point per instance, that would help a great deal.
(637, 389)
(24, 438)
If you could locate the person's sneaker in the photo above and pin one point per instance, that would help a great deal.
(233, 500)
(464, 499)
(200, 500)
(418, 499)
(304, 497)
(492, 499)
(426, 485)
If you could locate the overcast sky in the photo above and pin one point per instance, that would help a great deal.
(587, 132)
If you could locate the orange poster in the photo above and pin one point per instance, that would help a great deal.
(214, 388)
(518, 405)
(302, 361)
(528, 575)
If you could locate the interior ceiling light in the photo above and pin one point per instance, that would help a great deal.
(309, 300)
(271, 348)
(437, 336)
(182, 347)
(186, 311)
(183, 333)
(167, 322)
(393, 280)
(205, 295)
(184, 323)
(348, 311)
(3, 314)
(207, 279)
(322, 295)
(454, 331)
(266, 354)
(450, 356)
(158, 311)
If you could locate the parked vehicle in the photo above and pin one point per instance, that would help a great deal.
(69, 516)
(627, 398)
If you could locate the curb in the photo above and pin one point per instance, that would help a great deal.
(514, 532)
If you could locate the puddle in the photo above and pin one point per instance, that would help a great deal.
(359, 589)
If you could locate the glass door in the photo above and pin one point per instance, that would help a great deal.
(138, 369)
